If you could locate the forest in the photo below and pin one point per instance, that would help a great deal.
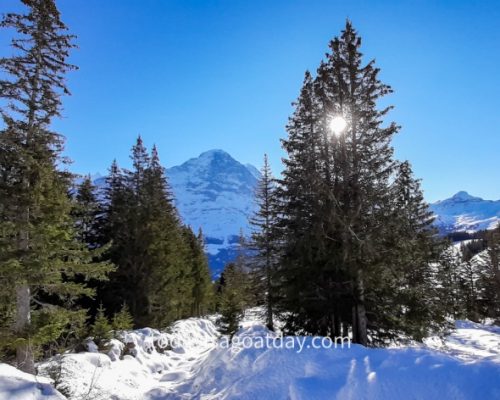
(343, 242)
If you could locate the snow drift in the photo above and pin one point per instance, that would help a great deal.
(352, 373)
(189, 362)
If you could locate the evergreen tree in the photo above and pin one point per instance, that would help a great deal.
(233, 297)
(170, 284)
(202, 292)
(448, 282)
(264, 241)
(300, 224)
(122, 320)
(39, 250)
(406, 279)
(155, 256)
(467, 278)
(101, 328)
(339, 219)
(115, 230)
(488, 282)
(88, 213)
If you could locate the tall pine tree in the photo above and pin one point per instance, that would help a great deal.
(337, 204)
(39, 250)
(264, 240)
(162, 274)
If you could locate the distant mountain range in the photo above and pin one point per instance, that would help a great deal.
(215, 192)
(465, 213)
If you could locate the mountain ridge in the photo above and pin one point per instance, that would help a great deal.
(463, 212)
(215, 192)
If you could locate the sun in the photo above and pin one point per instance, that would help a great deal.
(337, 125)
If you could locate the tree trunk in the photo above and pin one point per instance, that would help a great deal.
(345, 330)
(270, 323)
(362, 325)
(360, 314)
(354, 323)
(24, 352)
(336, 321)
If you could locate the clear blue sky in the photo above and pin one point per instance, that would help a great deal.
(196, 75)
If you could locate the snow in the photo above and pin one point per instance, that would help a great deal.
(463, 212)
(198, 364)
(155, 359)
(469, 342)
(17, 385)
(215, 192)
(459, 369)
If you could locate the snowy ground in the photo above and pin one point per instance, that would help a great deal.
(465, 365)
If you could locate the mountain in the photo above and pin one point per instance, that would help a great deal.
(215, 192)
(463, 212)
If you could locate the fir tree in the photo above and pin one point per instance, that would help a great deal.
(233, 297)
(448, 282)
(407, 278)
(488, 282)
(202, 292)
(264, 241)
(101, 328)
(338, 221)
(122, 320)
(87, 213)
(39, 253)
(300, 227)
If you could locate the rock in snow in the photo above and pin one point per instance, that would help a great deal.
(197, 365)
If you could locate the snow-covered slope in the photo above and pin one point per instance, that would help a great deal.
(215, 192)
(17, 385)
(351, 373)
(463, 212)
(140, 361)
(199, 365)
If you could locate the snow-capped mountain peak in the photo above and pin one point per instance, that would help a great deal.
(462, 196)
(463, 212)
(215, 158)
(215, 192)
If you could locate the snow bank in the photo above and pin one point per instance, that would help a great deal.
(191, 362)
(469, 342)
(348, 373)
(17, 385)
(135, 363)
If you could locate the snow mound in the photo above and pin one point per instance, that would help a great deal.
(136, 361)
(193, 336)
(470, 341)
(17, 385)
(240, 372)
(192, 361)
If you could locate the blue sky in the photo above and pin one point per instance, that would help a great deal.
(197, 75)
